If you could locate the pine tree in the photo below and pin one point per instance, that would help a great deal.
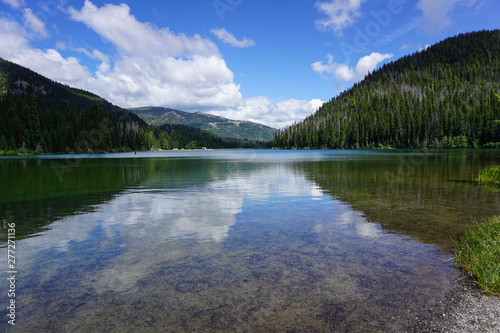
(3, 143)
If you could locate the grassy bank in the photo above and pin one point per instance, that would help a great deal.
(478, 253)
(490, 175)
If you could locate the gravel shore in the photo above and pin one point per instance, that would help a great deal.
(466, 309)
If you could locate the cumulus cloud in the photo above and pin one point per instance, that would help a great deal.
(437, 12)
(149, 65)
(228, 38)
(156, 66)
(275, 114)
(35, 23)
(341, 73)
(14, 3)
(116, 24)
(14, 46)
(340, 14)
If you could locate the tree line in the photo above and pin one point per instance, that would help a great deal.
(40, 116)
(31, 124)
(443, 97)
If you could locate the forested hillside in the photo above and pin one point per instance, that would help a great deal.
(170, 136)
(38, 115)
(442, 97)
(223, 127)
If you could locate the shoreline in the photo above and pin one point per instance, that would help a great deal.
(466, 309)
(12, 153)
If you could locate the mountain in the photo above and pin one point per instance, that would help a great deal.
(220, 126)
(442, 97)
(38, 115)
(18, 80)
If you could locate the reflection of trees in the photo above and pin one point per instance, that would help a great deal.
(36, 192)
(428, 198)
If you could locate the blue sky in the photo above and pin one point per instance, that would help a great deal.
(273, 62)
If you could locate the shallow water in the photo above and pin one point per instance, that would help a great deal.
(242, 241)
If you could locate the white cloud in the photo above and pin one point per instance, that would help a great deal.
(35, 23)
(95, 54)
(414, 47)
(131, 37)
(368, 63)
(152, 66)
(228, 38)
(424, 48)
(61, 45)
(14, 3)
(275, 114)
(148, 66)
(162, 68)
(340, 14)
(437, 12)
(341, 73)
(196, 83)
(15, 47)
(155, 66)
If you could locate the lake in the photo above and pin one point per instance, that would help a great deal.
(236, 241)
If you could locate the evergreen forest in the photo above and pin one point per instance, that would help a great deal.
(40, 116)
(445, 96)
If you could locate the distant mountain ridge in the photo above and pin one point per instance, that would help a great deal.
(223, 127)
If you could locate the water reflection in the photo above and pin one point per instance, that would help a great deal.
(429, 197)
(308, 241)
(202, 211)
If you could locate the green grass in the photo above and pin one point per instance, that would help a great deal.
(490, 175)
(478, 253)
